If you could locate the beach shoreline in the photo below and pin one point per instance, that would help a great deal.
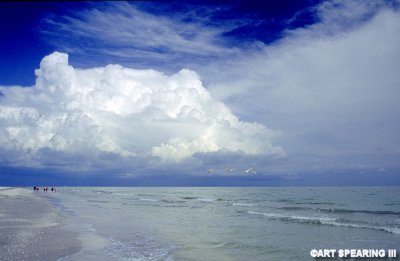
(31, 229)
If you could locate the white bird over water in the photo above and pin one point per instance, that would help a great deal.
(229, 170)
(251, 170)
(210, 171)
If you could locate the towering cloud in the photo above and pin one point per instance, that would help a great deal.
(120, 111)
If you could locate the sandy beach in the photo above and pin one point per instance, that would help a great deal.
(30, 229)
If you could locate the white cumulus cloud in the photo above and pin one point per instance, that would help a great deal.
(122, 111)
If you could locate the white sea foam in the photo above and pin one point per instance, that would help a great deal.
(148, 199)
(392, 230)
(324, 221)
(141, 250)
(124, 194)
(293, 217)
(243, 204)
(206, 199)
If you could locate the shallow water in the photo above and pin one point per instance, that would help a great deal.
(227, 223)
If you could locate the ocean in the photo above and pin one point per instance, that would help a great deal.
(227, 223)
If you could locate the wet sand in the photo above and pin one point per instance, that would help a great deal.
(30, 229)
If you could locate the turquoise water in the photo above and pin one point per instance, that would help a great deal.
(227, 223)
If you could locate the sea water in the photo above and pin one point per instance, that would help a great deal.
(227, 223)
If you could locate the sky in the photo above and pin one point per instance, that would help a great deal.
(154, 93)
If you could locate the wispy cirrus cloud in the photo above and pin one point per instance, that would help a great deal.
(126, 34)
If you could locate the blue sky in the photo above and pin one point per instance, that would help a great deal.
(157, 93)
